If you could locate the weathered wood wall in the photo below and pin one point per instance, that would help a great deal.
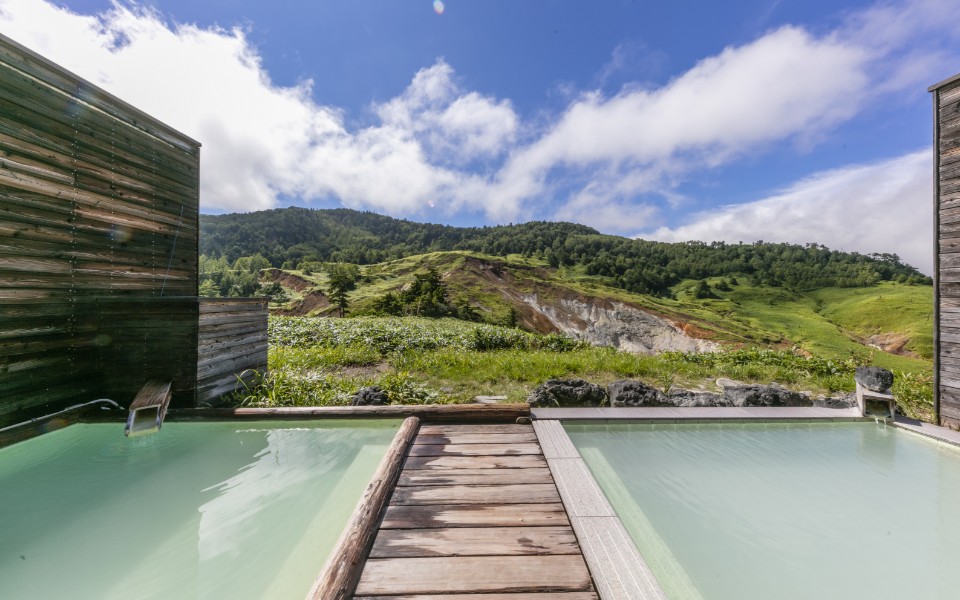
(98, 239)
(946, 106)
(232, 341)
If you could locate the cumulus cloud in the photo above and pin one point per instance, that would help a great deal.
(785, 85)
(261, 140)
(436, 148)
(455, 126)
(879, 207)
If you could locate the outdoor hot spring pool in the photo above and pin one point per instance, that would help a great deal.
(785, 511)
(211, 510)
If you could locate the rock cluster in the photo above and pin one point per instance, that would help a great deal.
(370, 396)
(628, 392)
(876, 379)
(567, 392)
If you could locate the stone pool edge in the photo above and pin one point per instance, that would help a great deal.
(618, 569)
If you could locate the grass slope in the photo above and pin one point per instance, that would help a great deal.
(324, 361)
(835, 323)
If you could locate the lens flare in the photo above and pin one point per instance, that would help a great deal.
(120, 234)
(438, 6)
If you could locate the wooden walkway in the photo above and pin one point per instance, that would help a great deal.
(475, 515)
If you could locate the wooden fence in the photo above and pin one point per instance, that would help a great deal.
(946, 107)
(232, 344)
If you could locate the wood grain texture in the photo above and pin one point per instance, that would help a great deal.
(476, 515)
(478, 438)
(421, 477)
(520, 596)
(480, 541)
(475, 462)
(480, 574)
(98, 201)
(477, 494)
(475, 449)
(477, 522)
(427, 430)
(947, 201)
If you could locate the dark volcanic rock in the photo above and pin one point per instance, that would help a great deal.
(694, 398)
(764, 395)
(845, 401)
(874, 378)
(628, 392)
(370, 396)
(567, 392)
(737, 394)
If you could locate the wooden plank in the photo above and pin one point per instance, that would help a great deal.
(421, 477)
(525, 461)
(474, 450)
(477, 494)
(514, 596)
(477, 438)
(949, 410)
(432, 411)
(493, 428)
(475, 574)
(339, 576)
(473, 515)
(481, 541)
(948, 95)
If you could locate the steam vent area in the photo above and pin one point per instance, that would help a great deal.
(98, 254)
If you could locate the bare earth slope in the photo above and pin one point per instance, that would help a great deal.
(548, 300)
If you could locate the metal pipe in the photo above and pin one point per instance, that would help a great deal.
(60, 412)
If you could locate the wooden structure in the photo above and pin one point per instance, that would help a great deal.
(99, 210)
(231, 343)
(475, 511)
(946, 269)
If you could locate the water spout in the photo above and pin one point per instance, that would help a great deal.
(148, 409)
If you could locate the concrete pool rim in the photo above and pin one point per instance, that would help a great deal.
(616, 564)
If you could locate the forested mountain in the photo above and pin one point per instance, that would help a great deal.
(290, 236)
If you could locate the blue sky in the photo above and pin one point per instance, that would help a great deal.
(782, 120)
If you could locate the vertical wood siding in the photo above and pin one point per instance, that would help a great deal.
(99, 208)
(947, 202)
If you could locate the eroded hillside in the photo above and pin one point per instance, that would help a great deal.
(892, 320)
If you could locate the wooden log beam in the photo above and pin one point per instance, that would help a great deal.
(341, 573)
(466, 413)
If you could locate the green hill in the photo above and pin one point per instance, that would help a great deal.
(291, 237)
(637, 296)
(890, 323)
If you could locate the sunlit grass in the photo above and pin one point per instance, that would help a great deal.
(317, 362)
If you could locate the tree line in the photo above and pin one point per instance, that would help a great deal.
(293, 237)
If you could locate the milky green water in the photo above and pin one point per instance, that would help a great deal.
(820, 511)
(212, 510)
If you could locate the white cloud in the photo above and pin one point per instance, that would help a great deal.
(456, 127)
(438, 147)
(785, 85)
(880, 207)
(261, 140)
